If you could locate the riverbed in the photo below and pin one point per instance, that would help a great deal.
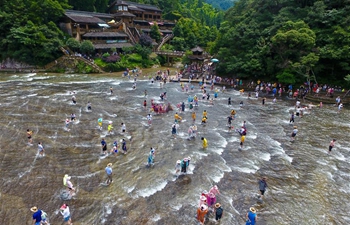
(306, 185)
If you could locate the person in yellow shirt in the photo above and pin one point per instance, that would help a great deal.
(205, 113)
(205, 142)
(242, 141)
(110, 127)
(204, 120)
(194, 116)
(177, 118)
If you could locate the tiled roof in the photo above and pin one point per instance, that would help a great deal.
(95, 14)
(80, 18)
(197, 49)
(141, 21)
(105, 34)
(124, 14)
(162, 31)
(114, 45)
(135, 8)
(144, 6)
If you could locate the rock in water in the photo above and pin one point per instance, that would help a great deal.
(65, 195)
(183, 179)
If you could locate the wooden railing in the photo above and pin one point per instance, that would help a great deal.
(174, 54)
(130, 35)
(164, 40)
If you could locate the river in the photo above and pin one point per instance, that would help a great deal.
(305, 184)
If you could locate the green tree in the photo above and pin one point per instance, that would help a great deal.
(87, 47)
(155, 33)
(73, 44)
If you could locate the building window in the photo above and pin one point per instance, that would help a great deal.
(120, 8)
(125, 8)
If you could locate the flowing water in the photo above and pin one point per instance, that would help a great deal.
(306, 185)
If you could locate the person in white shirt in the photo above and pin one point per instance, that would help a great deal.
(64, 210)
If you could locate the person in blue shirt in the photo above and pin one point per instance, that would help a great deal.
(109, 172)
(36, 215)
(251, 216)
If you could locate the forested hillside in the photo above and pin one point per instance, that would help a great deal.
(221, 4)
(287, 40)
(29, 31)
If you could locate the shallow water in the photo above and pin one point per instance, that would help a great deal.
(306, 185)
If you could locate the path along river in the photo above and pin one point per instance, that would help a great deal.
(306, 185)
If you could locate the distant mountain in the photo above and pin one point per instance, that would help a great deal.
(221, 4)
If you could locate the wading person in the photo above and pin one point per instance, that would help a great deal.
(251, 216)
(41, 150)
(109, 172)
(36, 215)
(331, 145)
(294, 133)
(201, 212)
(29, 136)
(64, 210)
(204, 142)
(104, 146)
(262, 186)
(218, 212)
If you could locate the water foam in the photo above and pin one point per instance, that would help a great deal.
(152, 190)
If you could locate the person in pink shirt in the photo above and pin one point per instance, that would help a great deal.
(214, 190)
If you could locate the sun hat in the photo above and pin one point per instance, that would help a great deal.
(295, 127)
(185, 159)
(215, 187)
(67, 176)
(203, 198)
(109, 164)
(34, 209)
(64, 206)
(217, 205)
(264, 178)
(178, 161)
(252, 209)
(204, 207)
(189, 158)
(110, 122)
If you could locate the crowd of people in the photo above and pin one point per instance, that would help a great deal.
(208, 204)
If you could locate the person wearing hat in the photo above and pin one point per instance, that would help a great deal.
(262, 186)
(218, 212)
(109, 172)
(294, 133)
(64, 210)
(201, 212)
(251, 216)
(36, 215)
(178, 166)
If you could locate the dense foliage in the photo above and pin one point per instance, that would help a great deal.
(292, 41)
(221, 4)
(28, 30)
